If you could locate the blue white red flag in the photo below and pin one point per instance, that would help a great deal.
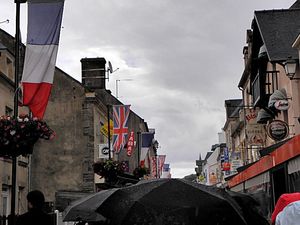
(43, 31)
(166, 167)
(120, 131)
(147, 138)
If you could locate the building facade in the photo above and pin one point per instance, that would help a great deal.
(78, 112)
(7, 86)
(271, 94)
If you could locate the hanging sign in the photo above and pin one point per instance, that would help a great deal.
(130, 143)
(282, 105)
(104, 129)
(103, 151)
(226, 166)
(278, 130)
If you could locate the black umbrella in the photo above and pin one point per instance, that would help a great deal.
(251, 208)
(84, 209)
(171, 201)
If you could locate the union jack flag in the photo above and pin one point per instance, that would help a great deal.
(120, 131)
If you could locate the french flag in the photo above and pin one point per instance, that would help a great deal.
(43, 31)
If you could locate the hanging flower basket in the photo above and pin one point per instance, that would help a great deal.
(140, 172)
(108, 169)
(18, 136)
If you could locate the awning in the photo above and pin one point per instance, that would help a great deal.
(283, 153)
(269, 149)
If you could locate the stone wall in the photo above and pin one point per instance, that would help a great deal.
(59, 164)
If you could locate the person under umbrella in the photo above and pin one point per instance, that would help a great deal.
(169, 202)
(250, 208)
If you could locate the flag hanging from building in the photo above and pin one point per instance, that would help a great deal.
(43, 31)
(154, 167)
(147, 138)
(120, 131)
(161, 162)
(166, 167)
(130, 143)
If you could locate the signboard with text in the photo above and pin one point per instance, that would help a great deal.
(104, 129)
(278, 130)
(255, 132)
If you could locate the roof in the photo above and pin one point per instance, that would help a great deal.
(296, 5)
(2, 47)
(279, 29)
(232, 107)
(207, 155)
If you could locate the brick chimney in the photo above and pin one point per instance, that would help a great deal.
(93, 73)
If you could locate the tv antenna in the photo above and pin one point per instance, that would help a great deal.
(110, 70)
(5, 21)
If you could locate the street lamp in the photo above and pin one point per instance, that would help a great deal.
(290, 66)
(117, 85)
(155, 145)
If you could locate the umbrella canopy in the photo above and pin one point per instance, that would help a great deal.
(251, 208)
(84, 209)
(171, 201)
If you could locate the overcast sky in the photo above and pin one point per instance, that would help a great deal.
(183, 59)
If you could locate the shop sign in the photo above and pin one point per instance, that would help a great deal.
(104, 129)
(226, 166)
(250, 116)
(130, 143)
(236, 163)
(255, 134)
(282, 105)
(104, 151)
(278, 130)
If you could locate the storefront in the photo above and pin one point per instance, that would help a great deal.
(275, 173)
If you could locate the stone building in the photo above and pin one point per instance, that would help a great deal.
(272, 91)
(76, 111)
(62, 168)
(7, 77)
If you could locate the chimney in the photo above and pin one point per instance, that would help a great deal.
(93, 73)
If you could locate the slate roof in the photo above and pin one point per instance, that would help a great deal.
(295, 5)
(279, 29)
(232, 107)
(207, 155)
(2, 47)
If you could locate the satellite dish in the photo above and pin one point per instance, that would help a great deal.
(110, 68)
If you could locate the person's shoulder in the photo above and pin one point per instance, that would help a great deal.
(24, 215)
(23, 219)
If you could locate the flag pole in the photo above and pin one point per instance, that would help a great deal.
(16, 98)
(108, 127)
